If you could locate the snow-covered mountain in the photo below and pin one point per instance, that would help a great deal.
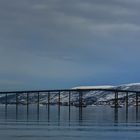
(91, 97)
(100, 97)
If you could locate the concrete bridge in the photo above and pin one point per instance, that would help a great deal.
(69, 91)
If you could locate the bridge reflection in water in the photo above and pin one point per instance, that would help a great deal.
(115, 103)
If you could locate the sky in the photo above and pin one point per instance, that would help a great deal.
(53, 44)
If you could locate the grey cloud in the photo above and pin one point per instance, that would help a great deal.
(67, 39)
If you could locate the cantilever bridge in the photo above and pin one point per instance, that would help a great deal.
(69, 91)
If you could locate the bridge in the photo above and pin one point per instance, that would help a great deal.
(69, 92)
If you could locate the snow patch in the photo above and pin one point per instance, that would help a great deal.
(94, 87)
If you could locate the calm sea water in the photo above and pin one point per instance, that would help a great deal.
(92, 123)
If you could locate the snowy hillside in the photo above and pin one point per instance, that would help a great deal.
(91, 97)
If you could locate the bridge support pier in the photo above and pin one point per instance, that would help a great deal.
(80, 98)
(116, 99)
(126, 101)
(16, 105)
(137, 104)
(80, 104)
(27, 94)
(116, 108)
(69, 103)
(38, 100)
(48, 106)
(6, 103)
(126, 106)
(59, 105)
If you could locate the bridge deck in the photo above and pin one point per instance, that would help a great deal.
(71, 90)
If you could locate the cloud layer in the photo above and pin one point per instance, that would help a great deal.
(65, 43)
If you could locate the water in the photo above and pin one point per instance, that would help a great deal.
(92, 123)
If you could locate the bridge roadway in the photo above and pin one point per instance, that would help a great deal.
(72, 90)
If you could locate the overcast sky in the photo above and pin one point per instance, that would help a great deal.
(46, 44)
